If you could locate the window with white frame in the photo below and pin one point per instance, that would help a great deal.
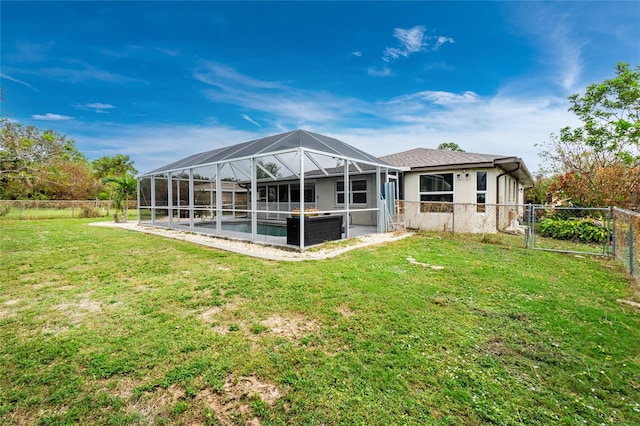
(437, 187)
(481, 191)
(358, 193)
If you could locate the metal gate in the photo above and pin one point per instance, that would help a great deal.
(579, 230)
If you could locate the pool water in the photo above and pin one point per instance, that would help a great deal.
(263, 228)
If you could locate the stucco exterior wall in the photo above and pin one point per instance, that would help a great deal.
(503, 205)
(326, 199)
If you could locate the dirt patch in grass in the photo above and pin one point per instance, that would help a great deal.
(214, 313)
(73, 314)
(294, 327)
(232, 405)
(497, 347)
(345, 311)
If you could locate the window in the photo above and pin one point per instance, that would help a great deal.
(309, 193)
(358, 192)
(437, 188)
(481, 192)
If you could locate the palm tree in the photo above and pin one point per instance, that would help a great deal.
(126, 187)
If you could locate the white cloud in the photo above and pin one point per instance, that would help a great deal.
(31, 52)
(216, 74)
(442, 40)
(411, 40)
(502, 125)
(437, 98)
(250, 120)
(379, 72)
(51, 117)
(557, 34)
(357, 53)
(153, 145)
(83, 72)
(15, 80)
(277, 100)
(98, 107)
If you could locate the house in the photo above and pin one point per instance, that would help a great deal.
(278, 179)
(462, 191)
(260, 190)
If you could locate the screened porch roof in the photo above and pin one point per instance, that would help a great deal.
(283, 142)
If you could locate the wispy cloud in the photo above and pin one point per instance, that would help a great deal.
(379, 72)
(357, 53)
(226, 85)
(83, 72)
(437, 98)
(442, 40)
(216, 74)
(51, 117)
(411, 40)
(98, 107)
(250, 120)
(557, 35)
(15, 80)
(30, 52)
(492, 125)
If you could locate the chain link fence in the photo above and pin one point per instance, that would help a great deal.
(57, 209)
(626, 240)
(463, 217)
(578, 230)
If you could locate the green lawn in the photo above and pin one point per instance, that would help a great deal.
(106, 326)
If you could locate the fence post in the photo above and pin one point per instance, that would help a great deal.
(528, 231)
(614, 239)
(631, 246)
(453, 219)
(21, 207)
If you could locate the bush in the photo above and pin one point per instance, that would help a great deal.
(89, 211)
(585, 230)
(5, 208)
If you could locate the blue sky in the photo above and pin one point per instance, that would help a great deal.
(162, 80)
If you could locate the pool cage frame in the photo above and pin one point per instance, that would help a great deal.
(245, 172)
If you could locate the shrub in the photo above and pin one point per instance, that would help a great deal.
(5, 208)
(585, 230)
(89, 211)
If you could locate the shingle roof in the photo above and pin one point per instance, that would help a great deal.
(425, 157)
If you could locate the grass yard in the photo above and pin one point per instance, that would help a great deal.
(106, 326)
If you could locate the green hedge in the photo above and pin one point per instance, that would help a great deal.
(585, 230)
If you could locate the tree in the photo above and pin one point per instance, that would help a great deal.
(450, 146)
(265, 170)
(114, 166)
(610, 112)
(35, 163)
(539, 193)
(616, 185)
(587, 160)
(126, 188)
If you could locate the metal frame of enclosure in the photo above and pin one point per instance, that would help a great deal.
(250, 190)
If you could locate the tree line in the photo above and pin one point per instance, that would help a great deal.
(46, 165)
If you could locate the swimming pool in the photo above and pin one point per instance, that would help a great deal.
(263, 228)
